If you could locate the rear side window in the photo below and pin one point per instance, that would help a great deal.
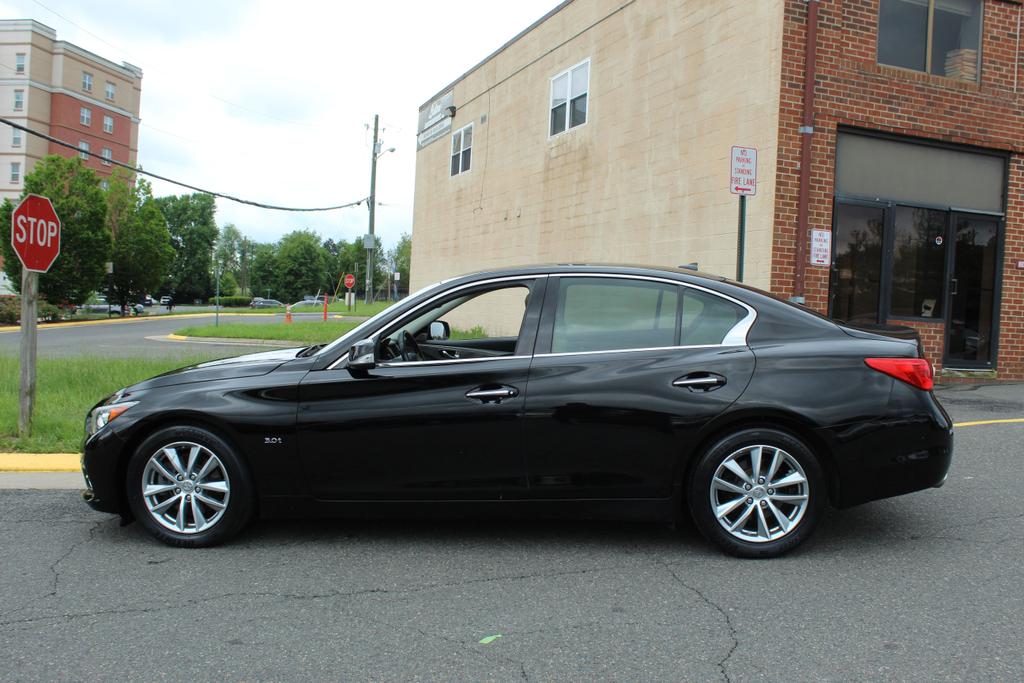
(707, 318)
(604, 314)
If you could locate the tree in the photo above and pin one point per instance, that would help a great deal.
(228, 285)
(400, 256)
(245, 254)
(142, 251)
(263, 272)
(85, 238)
(301, 265)
(229, 245)
(190, 219)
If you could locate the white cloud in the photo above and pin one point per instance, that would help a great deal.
(269, 100)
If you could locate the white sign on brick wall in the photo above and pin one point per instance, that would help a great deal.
(743, 171)
(821, 247)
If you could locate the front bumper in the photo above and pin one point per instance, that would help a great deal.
(101, 467)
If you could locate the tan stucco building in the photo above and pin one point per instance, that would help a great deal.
(890, 157)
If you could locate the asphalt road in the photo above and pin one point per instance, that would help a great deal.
(130, 337)
(926, 587)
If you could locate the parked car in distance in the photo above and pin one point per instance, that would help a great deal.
(164, 300)
(592, 391)
(99, 304)
(146, 300)
(265, 303)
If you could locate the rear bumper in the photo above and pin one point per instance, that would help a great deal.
(908, 450)
(101, 457)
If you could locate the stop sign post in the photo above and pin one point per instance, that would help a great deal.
(350, 281)
(35, 236)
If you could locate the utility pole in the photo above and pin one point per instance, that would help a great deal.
(373, 206)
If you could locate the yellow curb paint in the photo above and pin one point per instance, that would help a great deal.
(978, 423)
(128, 321)
(40, 462)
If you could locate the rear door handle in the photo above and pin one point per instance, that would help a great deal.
(492, 395)
(701, 381)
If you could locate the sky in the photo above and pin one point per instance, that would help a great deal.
(274, 101)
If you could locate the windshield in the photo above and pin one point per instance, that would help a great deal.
(361, 330)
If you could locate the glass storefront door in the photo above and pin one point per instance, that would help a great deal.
(972, 303)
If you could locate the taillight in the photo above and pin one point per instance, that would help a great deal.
(916, 372)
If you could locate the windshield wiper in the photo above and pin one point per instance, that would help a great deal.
(309, 350)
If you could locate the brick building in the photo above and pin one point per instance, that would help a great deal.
(57, 88)
(888, 191)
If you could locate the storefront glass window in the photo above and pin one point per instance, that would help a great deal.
(918, 262)
(857, 240)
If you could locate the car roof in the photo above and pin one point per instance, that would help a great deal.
(677, 272)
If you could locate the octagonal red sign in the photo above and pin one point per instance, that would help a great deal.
(35, 233)
(350, 280)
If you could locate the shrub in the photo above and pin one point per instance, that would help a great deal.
(10, 311)
(231, 301)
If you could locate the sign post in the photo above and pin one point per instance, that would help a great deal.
(35, 236)
(350, 282)
(743, 182)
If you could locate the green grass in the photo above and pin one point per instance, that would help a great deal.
(314, 332)
(65, 389)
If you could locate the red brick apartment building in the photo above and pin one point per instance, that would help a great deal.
(890, 138)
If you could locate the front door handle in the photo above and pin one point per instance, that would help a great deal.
(492, 394)
(449, 354)
(700, 381)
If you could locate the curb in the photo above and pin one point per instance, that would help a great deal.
(40, 462)
(230, 341)
(123, 321)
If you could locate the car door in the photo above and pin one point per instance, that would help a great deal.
(627, 372)
(425, 429)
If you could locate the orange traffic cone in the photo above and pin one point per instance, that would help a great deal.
(288, 313)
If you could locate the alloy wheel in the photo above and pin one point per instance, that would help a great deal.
(759, 493)
(185, 487)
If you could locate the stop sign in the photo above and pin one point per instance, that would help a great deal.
(350, 281)
(35, 233)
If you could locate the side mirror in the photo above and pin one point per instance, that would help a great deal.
(361, 355)
(439, 331)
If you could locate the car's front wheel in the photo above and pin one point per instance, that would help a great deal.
(188, 487)
(757, 493)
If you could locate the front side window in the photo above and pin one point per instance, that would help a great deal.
(15, 171)
(462, 150)
(85, 116)
(111, 90)
(480, 324)
(941, 37)
(569, 93)
(86, 81)
(19, 63)
(19, 100)
(108, 124)
(84, 146)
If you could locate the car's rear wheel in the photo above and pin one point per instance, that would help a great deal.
(757, 493)
(188, 487)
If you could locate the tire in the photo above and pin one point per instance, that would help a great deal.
(200, 497)
(766, 516)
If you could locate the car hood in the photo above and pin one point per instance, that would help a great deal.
(249, 365)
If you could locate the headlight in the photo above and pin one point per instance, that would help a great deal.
(102, 415)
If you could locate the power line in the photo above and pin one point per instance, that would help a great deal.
(221, 195)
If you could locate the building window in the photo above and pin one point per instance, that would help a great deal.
(111, 89)
(86, 81)
(569, 98)
(15, 137)
(84, 146)
(462, 150)
(19, 63)
(15, 171)
(85, 116)
(105, 184)
(106, 156)
(941, 37)
(19, 100)
(108, 124)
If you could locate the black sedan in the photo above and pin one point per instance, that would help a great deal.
(594, 391)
